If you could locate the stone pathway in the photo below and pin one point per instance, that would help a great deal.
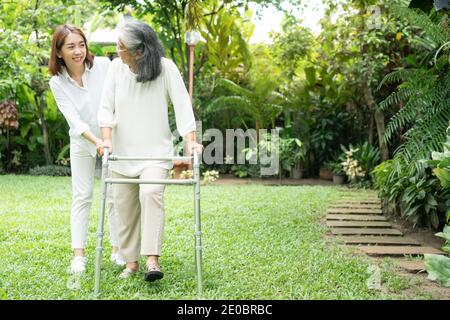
(358, 220)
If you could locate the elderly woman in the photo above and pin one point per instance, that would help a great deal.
(133, 117)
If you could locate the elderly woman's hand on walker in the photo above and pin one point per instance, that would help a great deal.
(192, 145)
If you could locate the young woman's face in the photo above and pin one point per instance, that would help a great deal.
(73, 51)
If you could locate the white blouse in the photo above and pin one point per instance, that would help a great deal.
(80, 105)
(138, 115)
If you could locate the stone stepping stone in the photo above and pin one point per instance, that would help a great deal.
(358, 201)
(383, 240)
(355, 211)
(397, 250)
(411, 266)
(356, 217)
(359, 192)
(358, 224)
(367, 231)
(355, 205)
(359, 196)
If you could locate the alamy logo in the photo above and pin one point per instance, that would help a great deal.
(240, 147)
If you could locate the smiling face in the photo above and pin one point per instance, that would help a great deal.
(73, 51)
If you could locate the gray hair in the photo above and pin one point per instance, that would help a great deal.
(138, 37)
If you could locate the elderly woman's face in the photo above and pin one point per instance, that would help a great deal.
(127, 57)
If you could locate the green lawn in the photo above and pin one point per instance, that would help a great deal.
(260, 242)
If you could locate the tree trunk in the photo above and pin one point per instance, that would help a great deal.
(48, 157)
(371, 135)
(379, 121)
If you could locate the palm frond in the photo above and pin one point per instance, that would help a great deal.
(427, 134)
(396, 76)
(432, 31)
(233, 87)
(225, 102)
(396, 97)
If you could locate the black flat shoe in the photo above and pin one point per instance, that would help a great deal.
(153, 273)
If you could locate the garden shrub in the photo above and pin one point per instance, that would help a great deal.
(50, 170)
(418, 194)
(358, 163)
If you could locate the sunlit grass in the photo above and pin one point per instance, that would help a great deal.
(259, 242)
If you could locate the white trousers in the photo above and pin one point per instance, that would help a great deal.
(82, 165)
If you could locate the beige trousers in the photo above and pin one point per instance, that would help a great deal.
(140, 214)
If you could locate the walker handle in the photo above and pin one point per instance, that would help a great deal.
(105, 155)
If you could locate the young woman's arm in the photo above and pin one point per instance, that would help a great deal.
(67, 108)
(106, 117)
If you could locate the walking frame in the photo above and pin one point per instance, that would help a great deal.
(195, 181)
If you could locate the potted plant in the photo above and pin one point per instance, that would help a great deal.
(299, 155)
(339, 175)
(290, 150)
(326, 172)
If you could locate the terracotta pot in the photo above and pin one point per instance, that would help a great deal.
(325, 174)
(179, 167)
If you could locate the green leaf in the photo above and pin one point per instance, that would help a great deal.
(438, 268)
(443, 176)
(310, 74)
(434, 219)
(445, 234)
(51, 112)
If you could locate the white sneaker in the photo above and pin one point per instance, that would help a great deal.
(117, 259)
(78, 264)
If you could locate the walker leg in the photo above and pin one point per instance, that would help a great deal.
(198, 233)
(101, 222)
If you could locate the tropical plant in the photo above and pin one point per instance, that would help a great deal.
(423, 93)
(8, 122)
(290, 152)
(259, 102)
(441, 163)
(438, 266)
(24, 47)
(360, 160)
(210, 176)
(423, 196)
(337, 168)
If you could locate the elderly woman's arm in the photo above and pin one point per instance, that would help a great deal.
(184, 114)
(191, 143)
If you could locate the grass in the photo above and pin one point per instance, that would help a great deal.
(260, 242)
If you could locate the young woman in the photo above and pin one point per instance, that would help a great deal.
(133, 117)
(77, 85)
